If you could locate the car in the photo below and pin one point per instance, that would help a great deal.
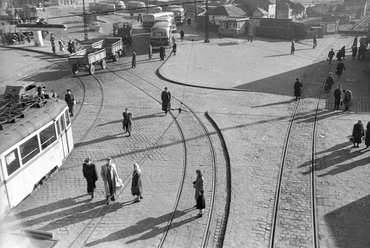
(94, 26)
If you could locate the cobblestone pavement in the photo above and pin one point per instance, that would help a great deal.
(254, 127)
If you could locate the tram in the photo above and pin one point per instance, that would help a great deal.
(31, 149)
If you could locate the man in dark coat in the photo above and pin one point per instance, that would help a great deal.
(174, 48)
(337, 97)
(314, 41)
(297, 89)
(166, 100)
(133, 62)
(162, 52)
(292, 47)
(357, 133)
(331, 55)
(70, 100)
(182, 34)
(127, 121)
(354, 52)
(367, 137)
(329, 82)
(91, 176)
(340, 68)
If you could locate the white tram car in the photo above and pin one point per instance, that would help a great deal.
(32, 148)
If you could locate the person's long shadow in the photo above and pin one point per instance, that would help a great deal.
(136, 118)
(338, 154)
(274, 103)
(65, 203)
(143, 226)
(323, 114)
(101, 139)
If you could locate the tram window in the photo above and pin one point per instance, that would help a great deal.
(58, 128)
(68, 120)
(29, 149)
(12, 162)
(47, 136)
(62, 123)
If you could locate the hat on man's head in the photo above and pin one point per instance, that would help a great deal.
(87, 160)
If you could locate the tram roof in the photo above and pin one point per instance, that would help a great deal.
(35, 118)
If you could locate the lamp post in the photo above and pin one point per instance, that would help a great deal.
(206, 26)
(85, 21)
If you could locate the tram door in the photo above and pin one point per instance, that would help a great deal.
(64, 136)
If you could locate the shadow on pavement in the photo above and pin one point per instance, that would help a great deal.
(148, 226)
(349, 225)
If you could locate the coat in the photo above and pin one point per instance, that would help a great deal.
(109, 178)
(199, 186)
(337, 95)
(340, 68)
(133, 59)
(127, 121)
(357, 132)
(136, 186)
(166, 100)
(367, 137)
(347, 99)
(298, 88)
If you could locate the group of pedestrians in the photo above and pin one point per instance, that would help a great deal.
(111, 180)
(342, 97)
(359, 52)
(359, 132)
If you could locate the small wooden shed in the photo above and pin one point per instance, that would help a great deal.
(232, 27)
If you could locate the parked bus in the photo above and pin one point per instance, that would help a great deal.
(108, 8)
(179, 15)
(169, 19)
(136, 7)
(95, 7)
(119, 5)
(161, 34)
(171, 7)
(150, 19)
(31, 149)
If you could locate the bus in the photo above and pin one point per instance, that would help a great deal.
(150, 19)
(179, 15)
(31, 149)
(135, 7)
(108, 8)
(169, 19)
(161, 34)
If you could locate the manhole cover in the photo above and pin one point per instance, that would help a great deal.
(227, 44)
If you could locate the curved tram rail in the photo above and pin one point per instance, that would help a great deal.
(294, 216)
(84, 236)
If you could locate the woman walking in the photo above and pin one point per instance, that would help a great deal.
(199, 192)
(340, 68)
(357, 133)
(91, 176)
(136, 187)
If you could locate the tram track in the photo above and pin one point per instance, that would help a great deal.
(152, 91)
(294, 221)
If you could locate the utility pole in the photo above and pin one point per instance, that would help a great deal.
(206, 26)
(85, 21)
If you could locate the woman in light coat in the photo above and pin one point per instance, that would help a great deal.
(110, 176)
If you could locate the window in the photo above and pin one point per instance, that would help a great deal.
(12, 161)
(47, 136)
(1, 174)
(62, 124)
(29, 149)
(68, 120)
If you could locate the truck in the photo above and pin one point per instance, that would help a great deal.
(123, 30)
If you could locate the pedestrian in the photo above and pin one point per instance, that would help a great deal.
(166, 100)
(189, 21)
(298, 89)
(69, 46)
(174, 48)
(182, 34)
(362, 51)
(357, 133)
(70, 100)
(337, 97)
(314, 41)
(292, 47)
(340, 68)
(124, 49)
(354, 52)
(61, 45)
(136, 186)
(110, 177)
(91, 176)
(150, 51)
(52, 41)
(367, 136)
(329, 82)
(343, 52)
(127, 121)
(162, 52)
(133, 62)
(198, 184)
(339, 55)
(347, 99)
(355, 42)
(331, 55)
